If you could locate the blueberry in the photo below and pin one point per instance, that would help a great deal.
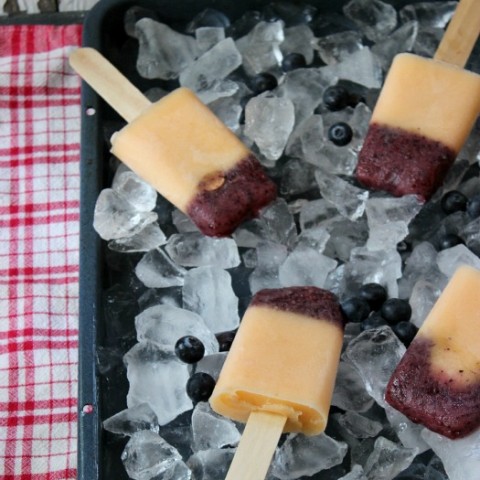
(292, 61)
(225, 340)
(473, 206)
(355, 309)
(453, 201)
(404, 247)
(395, 310)
(373, 321)
(374, 294)
(448, 241)
(262, 82)
(200, 386)
(189, 349)
(340, 134)
(405, 331)
(336, 98)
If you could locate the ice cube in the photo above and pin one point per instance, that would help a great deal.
(375, 354)
(298, 39)
(336, 47)
(388, 459)
(163, 52)
(193, 249)
(297, 177)
(269, 258)
(208, 292)
(358, 425)
(427, 16)
(260, 48)
(450, 259)
(356, 473)
(183, 222)
(147, 239)
(427, 41)
(156, 270)
(210, 430)
(376, 19)
(302, 455)
(132, 420)
(349, 393)
(157, 377)
(139, 193)
(214, 65)
(460, 457)
(305, 266)
(269, 121)
(208, 37)
(147, 456)
(211, 364)
(347, 199)
(211, 464)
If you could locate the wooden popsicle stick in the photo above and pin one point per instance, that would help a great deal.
(462, 33)
(257, 446)
(109, 83)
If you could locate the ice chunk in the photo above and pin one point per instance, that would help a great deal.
(460, 457)
(471, 234)
(116, 218)
(214, 65)
(183, 222)
(208, 37)
(376, 19)
(268, 122)
(302, 455)
(427, 41)
(297, 177)
(163, 52)
(156, 270)
(147, 239)
(357, 425)
(208, 292)
(298, 39)
(450, 259)
(269, 258)
(388, 220)
(375, 353)
(349, 392)
(192, 249)
(427, 16)
(147, 455)
(260, 48)
(336, 47)
(157, 377)
(378, 266)
(356, 473)
(316, 213)
(165, 324)
(305, 266)
(211, 364)
(139, 193)
(388, 459)
(347, 199)
(211, 430)
(211, 464)
(132, 420)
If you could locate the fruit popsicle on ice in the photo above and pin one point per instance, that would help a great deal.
(182, 149)
(424, 114)
(280, 372)
(437, 382)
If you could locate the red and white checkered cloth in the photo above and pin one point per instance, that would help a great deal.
(39, 223)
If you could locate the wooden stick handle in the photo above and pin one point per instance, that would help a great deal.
(109, 83)
(462, 33)
(257, 446)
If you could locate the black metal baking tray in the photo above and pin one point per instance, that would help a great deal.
(99, 453)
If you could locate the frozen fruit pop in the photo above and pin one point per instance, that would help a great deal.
(182, 149)
(437, 382)
(424, 114)
(280, 372)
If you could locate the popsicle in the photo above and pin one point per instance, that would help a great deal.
(424, 114)
(182, 149)
(437, 382)
(280, 372)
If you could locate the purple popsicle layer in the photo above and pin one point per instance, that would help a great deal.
(226, 201)
(446, 404)
(402, 163)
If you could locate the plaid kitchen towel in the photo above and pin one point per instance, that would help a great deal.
(39, 221)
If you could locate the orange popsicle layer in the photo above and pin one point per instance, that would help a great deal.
(284, 359)
(437, 382)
